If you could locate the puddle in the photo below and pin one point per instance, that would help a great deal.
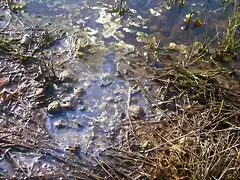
(31, 164)
(96, 114)
(99, 111)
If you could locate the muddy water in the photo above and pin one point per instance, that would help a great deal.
(99, 111)
(96, 114)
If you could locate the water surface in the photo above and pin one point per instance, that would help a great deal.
(97, 115)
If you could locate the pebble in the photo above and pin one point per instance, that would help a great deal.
(136, 111)
(111, 100)
(87, 84)
(67, 105)
(79, 92)
(59, 124)
(67, 76)
(54, 107)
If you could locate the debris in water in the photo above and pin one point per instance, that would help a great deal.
(79, 92)
(67, 76)
(60, 124)
(136, 111)
(198, 22)
(54, 107)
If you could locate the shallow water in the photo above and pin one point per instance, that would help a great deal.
(145, 20)
(101, 109)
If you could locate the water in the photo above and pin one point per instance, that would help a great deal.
(100, 111)
(106, 97)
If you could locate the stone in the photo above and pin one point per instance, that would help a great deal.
(54, 107)
(60, 124)
(79, 92)
(67, 76)
(111, 100)
(67, 105)
(136, 111)
(75, 124)
(87, 84)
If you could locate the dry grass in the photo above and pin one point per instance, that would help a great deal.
(193, 133)
(198, 135)
(200, 140)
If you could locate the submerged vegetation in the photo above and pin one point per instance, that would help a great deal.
(192, 129)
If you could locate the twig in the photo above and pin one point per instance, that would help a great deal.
(104, 168)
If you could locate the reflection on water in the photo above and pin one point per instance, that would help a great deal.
(5, 167)
(95, 116)
(106, 95)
